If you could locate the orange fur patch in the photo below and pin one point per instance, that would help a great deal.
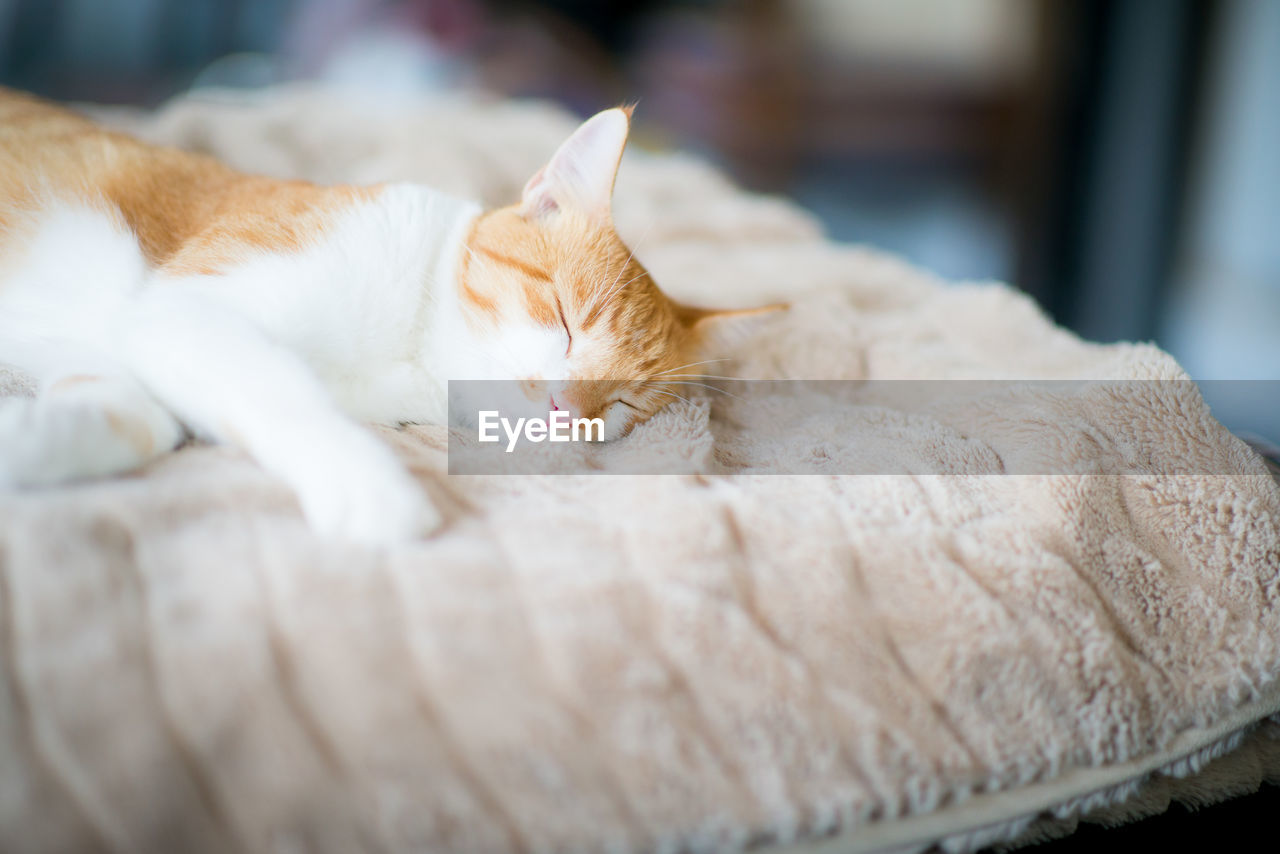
(523, 267)
(191, 214)
(576, 267)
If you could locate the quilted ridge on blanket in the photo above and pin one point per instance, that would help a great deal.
(582, 663)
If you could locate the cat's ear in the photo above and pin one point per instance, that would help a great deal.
(715, 330)
(580, 174)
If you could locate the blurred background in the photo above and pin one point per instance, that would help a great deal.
(1117, 159)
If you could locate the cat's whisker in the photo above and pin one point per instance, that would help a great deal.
(671, 394)
(713, 377)
(650, 385)
(605, 299)
(646, 386)
(623, 269)
(613, 287)
(704, 385)
(690, 365)
(621, 287)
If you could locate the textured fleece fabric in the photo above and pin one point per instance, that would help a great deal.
(713, 660)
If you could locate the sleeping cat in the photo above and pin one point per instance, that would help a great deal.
(154, 292)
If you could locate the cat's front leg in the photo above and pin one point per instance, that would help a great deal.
(228, 381)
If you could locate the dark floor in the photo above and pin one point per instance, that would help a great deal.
(1224, 826)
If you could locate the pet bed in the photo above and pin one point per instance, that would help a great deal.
(728, 658)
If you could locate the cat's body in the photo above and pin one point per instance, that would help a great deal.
(156, 292)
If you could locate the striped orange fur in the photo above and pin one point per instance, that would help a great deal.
(191, 213)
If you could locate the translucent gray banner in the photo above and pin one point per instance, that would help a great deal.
(848, 427)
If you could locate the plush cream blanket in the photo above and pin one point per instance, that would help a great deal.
(697, 661)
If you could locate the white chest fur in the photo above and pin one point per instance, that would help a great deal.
(359, 302)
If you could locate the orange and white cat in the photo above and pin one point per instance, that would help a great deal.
(155, 292)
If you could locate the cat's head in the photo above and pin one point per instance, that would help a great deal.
(557, 301)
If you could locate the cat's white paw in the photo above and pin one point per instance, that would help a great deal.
(365, 497)
(83, 427)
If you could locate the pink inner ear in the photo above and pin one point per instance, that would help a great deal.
(536, 197)
(581, 172)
